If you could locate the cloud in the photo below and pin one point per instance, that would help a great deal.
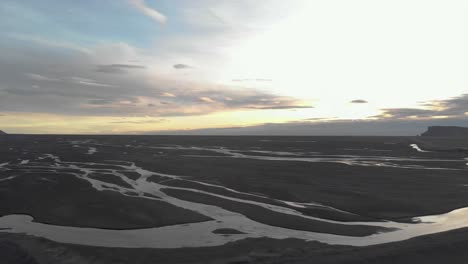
(405, 113)
(166, 94)
(118, 68)
(141, 6)
(455, 107)
(359, 101)
(150, 121)
(79, 88)
(89, 82)
(114, 102)
(262, 101)
(94, 84)
(391, 122)
(206, 99)
(182, 66)
(100, 101)
(38, 77)
(282, 107)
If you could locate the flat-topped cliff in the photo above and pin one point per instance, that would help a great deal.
(446, 131)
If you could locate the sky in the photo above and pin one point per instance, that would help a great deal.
(298, 67)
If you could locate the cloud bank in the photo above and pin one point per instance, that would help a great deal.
(456, 107)
(391, 122)
(103, 83)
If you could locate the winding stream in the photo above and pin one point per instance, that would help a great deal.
(201, 234)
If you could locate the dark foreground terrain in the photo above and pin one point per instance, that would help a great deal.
(447, 247)
(233, 199)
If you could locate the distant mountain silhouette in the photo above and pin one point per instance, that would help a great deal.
(446, 131)
(2, 133)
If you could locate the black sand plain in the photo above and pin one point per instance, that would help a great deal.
(394, 192)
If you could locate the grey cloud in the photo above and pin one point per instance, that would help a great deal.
(182, 66)
(239, 99)
(100, 101)
(453, 107)
(118, 68)
(114, 101)
(128, 66)
(321, 118)
(89, 82)
(265, 101)
(38, 77)
(359, 101)
(397, 113)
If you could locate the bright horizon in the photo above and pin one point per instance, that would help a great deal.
(135, 66)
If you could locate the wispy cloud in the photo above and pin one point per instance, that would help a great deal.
(206, 99)
(89, 82)
(166, 94)
(182, 66)
(118, 68)
(145, 121)
(282, 107)
(38, 77)
(359, 101)
(455, 107)
(141, 6)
